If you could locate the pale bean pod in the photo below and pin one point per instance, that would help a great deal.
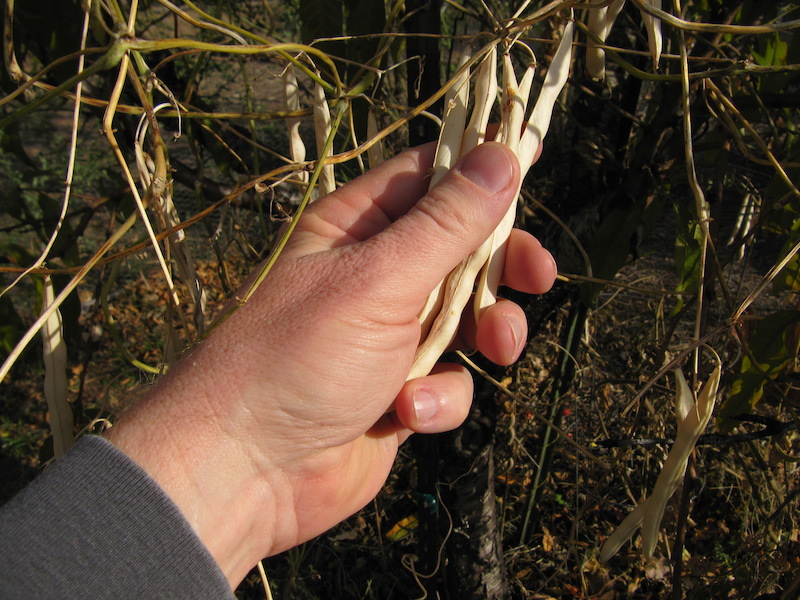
(684, 399)
(539, 122)
(535, 131)
(456, 296)
(484, 98)
(54, 352)
(684, 403)
(513, 107)
(689, 430)
(601, 20)
(291, 95)
(322, 128)
(448, 151)
(454, 121)
(441, 316)
(654, 37)
(623, 532)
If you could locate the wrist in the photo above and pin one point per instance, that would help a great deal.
(212, 478)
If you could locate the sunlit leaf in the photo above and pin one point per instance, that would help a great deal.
(773, 51)
(402, 528)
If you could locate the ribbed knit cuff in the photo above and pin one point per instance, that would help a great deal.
(95, 525)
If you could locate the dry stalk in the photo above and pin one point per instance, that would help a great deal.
(167, 216)
(12, 65)
(701, 208)
(727, 105)
(73, 145)
(725, 28)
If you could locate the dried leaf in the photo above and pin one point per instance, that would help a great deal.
(654, 37)
(547, 540)
(689, 430)
(648, 514)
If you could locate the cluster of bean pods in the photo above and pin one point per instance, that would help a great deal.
(477, 278)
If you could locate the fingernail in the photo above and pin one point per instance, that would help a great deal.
(516, 335)
(488, 166)
(553, 265)
(426, 405)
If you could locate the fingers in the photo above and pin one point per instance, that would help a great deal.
(502, 332)
(449, 222)
(435, 403)
(529, 268)
(366, 205)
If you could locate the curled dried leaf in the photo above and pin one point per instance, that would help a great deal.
(653, 26)
(693, 418)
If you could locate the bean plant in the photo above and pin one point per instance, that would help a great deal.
(155, 152)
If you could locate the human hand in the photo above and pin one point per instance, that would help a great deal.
(287, 419)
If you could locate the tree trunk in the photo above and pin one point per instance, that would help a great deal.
(475, 565)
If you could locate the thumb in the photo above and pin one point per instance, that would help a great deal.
(451, 221)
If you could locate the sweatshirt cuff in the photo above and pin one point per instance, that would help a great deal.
(96, 525)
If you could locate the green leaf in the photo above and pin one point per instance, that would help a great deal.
(773, 51)
(774, 344)
(776, 50)
(789, 277)
(687, 253)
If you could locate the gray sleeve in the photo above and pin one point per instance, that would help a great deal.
(95, 525)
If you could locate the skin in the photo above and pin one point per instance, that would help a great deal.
(288, 417)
